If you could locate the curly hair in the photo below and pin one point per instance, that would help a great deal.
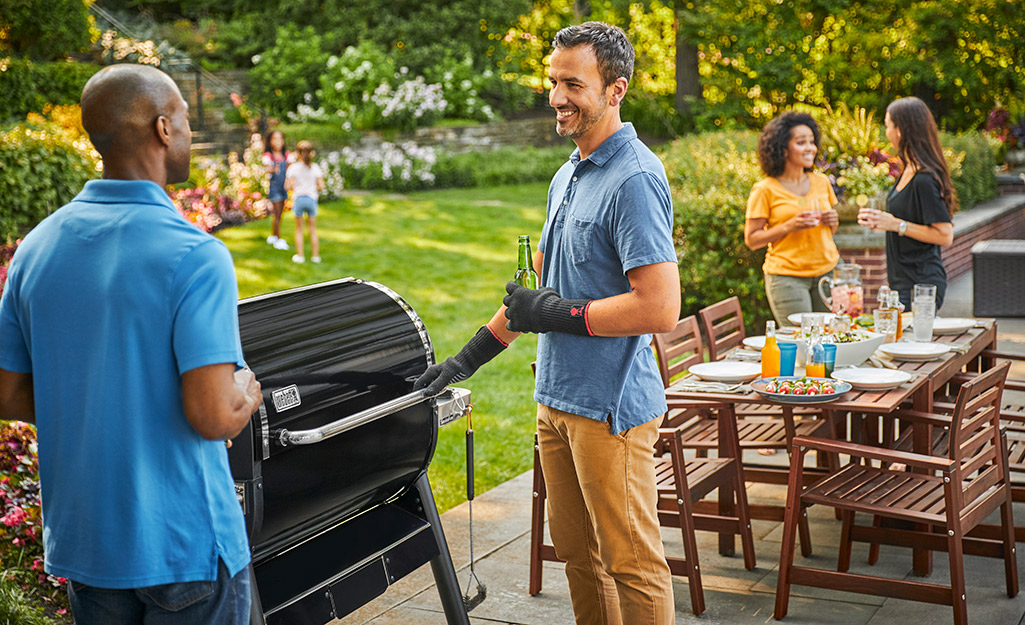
(773, 141)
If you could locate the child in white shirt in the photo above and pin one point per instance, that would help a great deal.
(305, 179)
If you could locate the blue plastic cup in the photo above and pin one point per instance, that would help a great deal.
(787, 358)
(830, 359)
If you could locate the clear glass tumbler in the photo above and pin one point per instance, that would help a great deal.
(923, 311)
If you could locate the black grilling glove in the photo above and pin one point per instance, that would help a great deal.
(480, 349)
(542, 310)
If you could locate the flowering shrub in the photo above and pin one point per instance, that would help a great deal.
(462, 85)
(6, 253)
(21, 534)
(408, 167)
(365, 88)
(401, 167)
(863, 177)
(44, 162)
(219, 195)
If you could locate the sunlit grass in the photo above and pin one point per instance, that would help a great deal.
(449, 254)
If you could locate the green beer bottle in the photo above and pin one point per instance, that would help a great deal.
(525, 275)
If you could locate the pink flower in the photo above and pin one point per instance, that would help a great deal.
(15, 517)
(236, 100)
(62, 611)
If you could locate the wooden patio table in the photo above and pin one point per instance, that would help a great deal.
(930, 376)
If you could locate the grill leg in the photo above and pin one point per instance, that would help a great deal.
(256, 612)
(441, 565)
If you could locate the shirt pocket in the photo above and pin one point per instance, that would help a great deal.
(580, 237)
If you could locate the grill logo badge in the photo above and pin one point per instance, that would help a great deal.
(286, 398)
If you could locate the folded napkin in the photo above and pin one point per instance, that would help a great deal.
(960, 348)
(881, 363)
(701, 386)
(744, 355)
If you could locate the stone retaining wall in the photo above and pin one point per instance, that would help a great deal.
(533, 132)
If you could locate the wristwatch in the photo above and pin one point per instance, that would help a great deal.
(902, 228)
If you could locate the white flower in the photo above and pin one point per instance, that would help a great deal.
(466, 84)
(256, 59)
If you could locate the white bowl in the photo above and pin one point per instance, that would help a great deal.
(847, 354)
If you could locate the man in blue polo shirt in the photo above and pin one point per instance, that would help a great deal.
(608, 269)
(119, 340)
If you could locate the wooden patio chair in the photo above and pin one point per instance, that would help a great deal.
(760, 426)
(681, 482)
(946, 497)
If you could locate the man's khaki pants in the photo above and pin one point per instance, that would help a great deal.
(603, 519)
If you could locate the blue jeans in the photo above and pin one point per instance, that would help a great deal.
(224, 601)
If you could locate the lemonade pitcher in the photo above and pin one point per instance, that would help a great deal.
(845, 290)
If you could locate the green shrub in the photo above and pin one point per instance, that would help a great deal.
(288, 71)
(710, 176)
(652, 115)
(408, 167)
(977, 180)
(325, 137)
(28, 86)
(42, 167)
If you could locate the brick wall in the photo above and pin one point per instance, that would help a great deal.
(957, 258)
(873, 270)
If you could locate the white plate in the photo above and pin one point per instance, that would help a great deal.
(727, 371)
(871, 379)
(951, 325)
(754, 342)
(758, 342)
(796, 317)
(914, 351)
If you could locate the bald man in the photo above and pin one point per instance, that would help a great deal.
(119, 340)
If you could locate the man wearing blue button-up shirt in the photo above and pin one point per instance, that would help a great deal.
(609, 279)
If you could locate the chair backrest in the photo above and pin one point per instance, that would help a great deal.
(975, 441)
(678, 349)
(723, 325)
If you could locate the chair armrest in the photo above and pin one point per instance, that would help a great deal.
(992, 353)
(918, 461)
(927, 418)
(1012, 384)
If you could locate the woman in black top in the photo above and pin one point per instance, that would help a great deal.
(917, 220)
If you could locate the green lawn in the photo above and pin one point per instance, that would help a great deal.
(449, 254)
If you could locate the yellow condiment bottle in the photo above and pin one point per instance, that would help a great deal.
(770, 352)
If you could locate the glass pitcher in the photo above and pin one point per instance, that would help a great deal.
(845, 290)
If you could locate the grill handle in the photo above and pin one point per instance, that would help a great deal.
(308, 437)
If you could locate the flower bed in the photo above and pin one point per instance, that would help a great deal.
(21, 531)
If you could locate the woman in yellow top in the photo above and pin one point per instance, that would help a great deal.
(791, 212)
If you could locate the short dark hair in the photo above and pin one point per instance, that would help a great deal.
(611, 46)
(772, 143)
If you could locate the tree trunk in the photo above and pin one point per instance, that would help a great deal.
(688, 81)
(582, 10)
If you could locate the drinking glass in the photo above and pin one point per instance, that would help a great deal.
(787, 358)
(924, 291)
(923, 311)
(830, 350)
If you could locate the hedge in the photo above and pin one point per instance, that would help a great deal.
(28, 86)
(42, 167)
